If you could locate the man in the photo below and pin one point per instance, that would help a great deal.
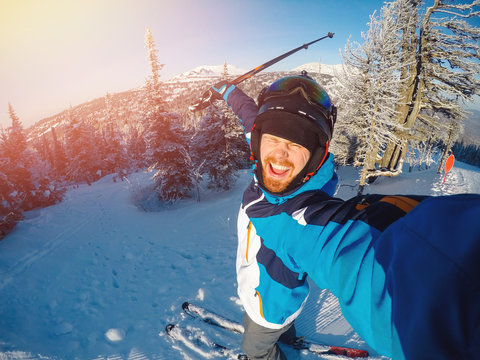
(404, 268)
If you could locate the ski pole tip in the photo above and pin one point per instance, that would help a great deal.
(330, 35)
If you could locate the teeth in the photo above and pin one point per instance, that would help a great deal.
(279, 167)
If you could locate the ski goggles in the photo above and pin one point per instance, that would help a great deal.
(299, 95)
(292, 85)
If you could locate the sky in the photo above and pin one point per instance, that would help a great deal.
(61, 53)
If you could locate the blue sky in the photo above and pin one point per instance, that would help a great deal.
(57, 53)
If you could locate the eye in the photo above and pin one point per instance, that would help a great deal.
(296, 146)
(270, 139)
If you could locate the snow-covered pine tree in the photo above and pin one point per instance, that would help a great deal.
(437, 55)
(7, 199)
(445, 74)
(153, 86)
(25, 171)
(19, 160)
(135, 146)
(112, 146)
(10, 211)
(217, 146)
(370, 88)
(168, 157)
(82, 151)
(164, 137)
(225, 71)
(59, 157)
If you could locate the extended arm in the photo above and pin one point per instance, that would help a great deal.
(407, 281)
(242, 105)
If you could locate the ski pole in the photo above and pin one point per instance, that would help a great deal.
(207, 95)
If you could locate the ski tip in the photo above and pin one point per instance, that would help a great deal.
(169, 328)
(351, 353)
(185, 305)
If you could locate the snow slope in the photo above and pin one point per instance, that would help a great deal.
(94, 277)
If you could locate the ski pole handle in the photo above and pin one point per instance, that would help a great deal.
(203, 103)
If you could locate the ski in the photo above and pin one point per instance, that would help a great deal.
(212, 318)
(196, 341)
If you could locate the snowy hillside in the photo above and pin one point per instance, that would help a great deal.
(94, 277)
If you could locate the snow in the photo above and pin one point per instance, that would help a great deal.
(95, 277)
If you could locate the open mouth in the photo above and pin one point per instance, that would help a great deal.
(278, 170)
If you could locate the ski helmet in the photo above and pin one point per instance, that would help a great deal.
(295, 108)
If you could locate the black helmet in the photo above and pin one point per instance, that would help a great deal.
(295, 108)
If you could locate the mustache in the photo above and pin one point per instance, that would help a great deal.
(271, 159)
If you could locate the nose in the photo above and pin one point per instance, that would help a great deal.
(281, 150)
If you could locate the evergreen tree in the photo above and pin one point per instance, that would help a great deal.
(168, 156)
(26, 179)
(59, 156)
(164, 137)
(112, 145)
(7, 195)
(82, 151)
(219, 145)
(113, 152)
(371, 87)
(444, 48)
(225, 71)
(19, 160)
(136, 146)
(436, 51)
(153, 86)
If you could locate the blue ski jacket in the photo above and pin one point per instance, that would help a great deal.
(405, 269)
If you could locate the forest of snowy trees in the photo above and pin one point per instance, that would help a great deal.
(401, 97)
(406, 86)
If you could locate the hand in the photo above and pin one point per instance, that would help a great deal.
(219, 89)
(215, 92)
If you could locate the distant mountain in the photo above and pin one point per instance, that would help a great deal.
(332, 70)
(185, 89)
(179, 92)
(206, 72)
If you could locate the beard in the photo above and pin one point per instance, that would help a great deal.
(276, 185)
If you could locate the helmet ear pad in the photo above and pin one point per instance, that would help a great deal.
(295, 128)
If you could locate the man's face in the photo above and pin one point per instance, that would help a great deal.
(282, 160)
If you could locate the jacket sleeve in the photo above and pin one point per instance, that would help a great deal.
(244, 108)
(407, 281)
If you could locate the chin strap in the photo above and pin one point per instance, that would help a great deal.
(309, 175)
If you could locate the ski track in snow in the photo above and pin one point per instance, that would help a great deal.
(96, 278)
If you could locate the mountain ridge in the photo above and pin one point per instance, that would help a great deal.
(187, 86)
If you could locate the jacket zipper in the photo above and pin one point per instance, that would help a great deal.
(248, 238)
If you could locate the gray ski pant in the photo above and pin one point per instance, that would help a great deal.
(260, 343)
